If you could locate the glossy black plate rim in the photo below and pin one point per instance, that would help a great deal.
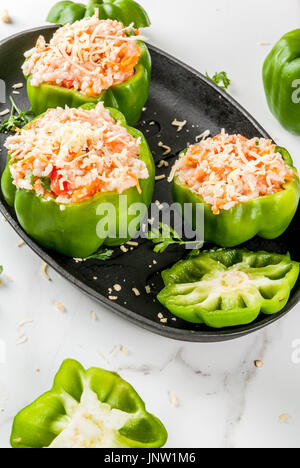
(205, 336)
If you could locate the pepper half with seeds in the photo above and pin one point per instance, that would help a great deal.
(226, 288)
(90, 408)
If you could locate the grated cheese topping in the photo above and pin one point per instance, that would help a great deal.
(230, 169)
(71, 154)
(89, 56)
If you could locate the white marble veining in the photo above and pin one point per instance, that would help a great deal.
(224, 401)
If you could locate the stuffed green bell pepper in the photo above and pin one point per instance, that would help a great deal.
(226, 288)
(126, 11)
(87, 62)
(74, 177)
(281, 77)
(90, 408)
(244, 187)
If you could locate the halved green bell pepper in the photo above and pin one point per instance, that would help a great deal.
(129, 97)
(226, 288)
(268, 216)
(87, 409)
(126, 11)
(281, 77)
(73, 230)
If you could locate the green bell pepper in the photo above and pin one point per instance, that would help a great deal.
(281, 77)
(87, 409)
(125, 11)
(226, 288)
(73, 230)
(267, 216)
(129, 97)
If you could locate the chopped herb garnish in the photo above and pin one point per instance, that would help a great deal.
(221, 79)
(46, 183)
(16, 119)
(103, 254)
(1, 269)
(166, 236)
(30, 176)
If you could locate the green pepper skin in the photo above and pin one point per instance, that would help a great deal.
(281, 77)
(129, 97)
(37, 425)
(194, 288)
(72, 231)
(126, 11)
(267, 216)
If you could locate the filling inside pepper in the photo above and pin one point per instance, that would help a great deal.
(92, 424)
(230, 169)
(71, 154)
(89, 56)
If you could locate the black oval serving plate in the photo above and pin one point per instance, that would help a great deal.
(180, 92)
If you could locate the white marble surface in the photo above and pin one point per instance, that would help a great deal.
(224, 401)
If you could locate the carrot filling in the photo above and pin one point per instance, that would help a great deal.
(89, 56)
(230, 169)
(71, 154)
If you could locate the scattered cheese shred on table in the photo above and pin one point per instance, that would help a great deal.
(173, 399)
(44, 271)
(4, 16)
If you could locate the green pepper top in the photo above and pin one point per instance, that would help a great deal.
(87, 409)
(281, 77)
(126, 11)
(74, 231)
(226, 288)
(268, 216)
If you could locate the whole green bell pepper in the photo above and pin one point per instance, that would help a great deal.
(281, 77)
(125, 11)
(73, 230)
(129, 97)
(268, 216)
(87, 409)
(226, 288)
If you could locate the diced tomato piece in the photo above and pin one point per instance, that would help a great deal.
(55, 183)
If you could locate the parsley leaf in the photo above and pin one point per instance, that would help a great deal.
(221, 79)
(103, 254)
(16, 121)
(166, 236)
(46, 183)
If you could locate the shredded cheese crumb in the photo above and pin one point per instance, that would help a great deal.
(167, 149)
(18, 86)
(136, 291)
(20, 243)
(4, 112)
(202, 136)
(4, 16)
(173, 399)
(93, 315)
(24, 322)
(22, 340)
(59, 306)
(123, 248)
(148, 289)
(115, 350)
(179, 125)
(259, 364)
(44, 271)
(117, 287)
(284, 418)
(113, 298)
